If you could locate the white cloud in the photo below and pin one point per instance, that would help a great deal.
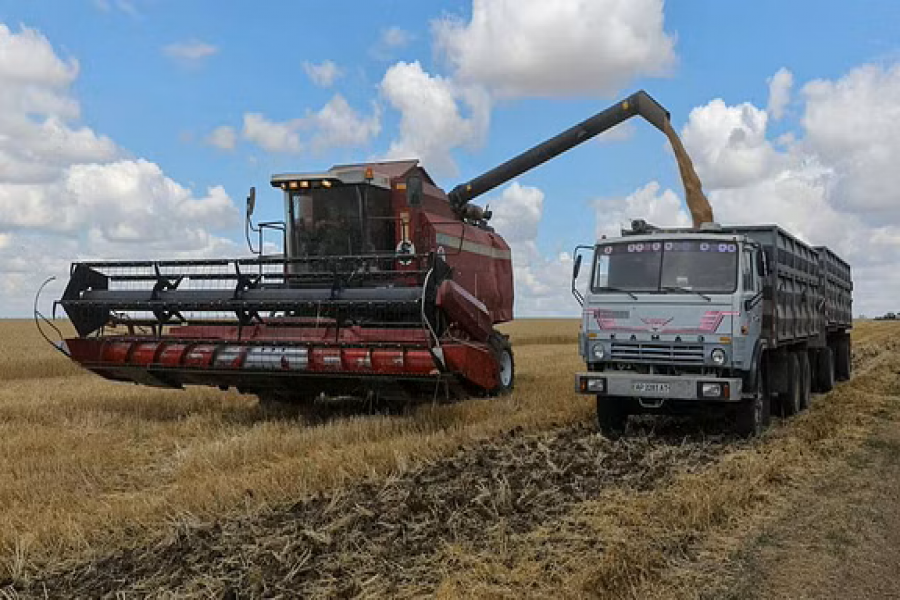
(335, 125)
(223, 137)
(728, 144)
(661, 208)
(323, 74)
(431, 123)
(272, 136)
(779, 92)
(834, 183)
(192, 51)
(395, 37)
(542, 282)
(67, 192)
(338, 125)
(534, 47)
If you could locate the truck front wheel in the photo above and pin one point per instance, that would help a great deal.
(612, 416)
(754, 414)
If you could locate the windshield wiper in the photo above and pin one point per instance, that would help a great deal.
(617, 289)
(675, 288)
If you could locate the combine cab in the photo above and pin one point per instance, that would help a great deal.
(386, 285)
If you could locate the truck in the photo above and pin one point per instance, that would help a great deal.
(743, 319)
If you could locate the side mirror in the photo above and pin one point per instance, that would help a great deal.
(251, 202)
(576, 268)
(414, 190)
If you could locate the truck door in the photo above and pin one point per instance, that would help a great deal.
(750, 321)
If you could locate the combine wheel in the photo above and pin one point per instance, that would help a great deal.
(754, 414)
(806, 379)
(506, 363)
(791, 400)
(824, 380)
(612, 416)
(842, 358)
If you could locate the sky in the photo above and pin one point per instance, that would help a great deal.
(133, 129)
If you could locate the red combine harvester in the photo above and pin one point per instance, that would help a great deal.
(387, 285)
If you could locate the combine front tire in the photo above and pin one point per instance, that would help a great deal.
(612, 416)
(506, 364)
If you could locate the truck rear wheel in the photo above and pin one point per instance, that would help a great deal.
(790, 400)
(824, 378)
(612, 416)
(754, 414)
(806, 379)
(842, 359)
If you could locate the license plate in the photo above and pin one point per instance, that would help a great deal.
(650, 388)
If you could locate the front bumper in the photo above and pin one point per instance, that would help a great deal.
(674, 387)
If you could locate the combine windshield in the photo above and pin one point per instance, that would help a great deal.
(340, 220)
(662, 266)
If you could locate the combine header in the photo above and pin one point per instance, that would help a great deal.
(386, 285)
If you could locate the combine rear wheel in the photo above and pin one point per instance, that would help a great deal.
(506, 364)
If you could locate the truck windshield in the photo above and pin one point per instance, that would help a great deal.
(694, 265)
(340, 220)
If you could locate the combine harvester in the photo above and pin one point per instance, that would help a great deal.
(387, 286)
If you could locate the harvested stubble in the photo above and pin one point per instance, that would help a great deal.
(552, 508)
(87, 464)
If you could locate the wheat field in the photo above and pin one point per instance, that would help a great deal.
(90, 468)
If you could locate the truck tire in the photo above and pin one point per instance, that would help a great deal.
(790, 400)
(806, 379)
(842, 359)
(506, 363)
(754, 414)
(824, 378)
(612, 416)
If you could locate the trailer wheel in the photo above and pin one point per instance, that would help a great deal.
(506, 363)
(806, 379)
(824, 378)
(842, 360)
(754, 414)
(612, 416)
(791, 400)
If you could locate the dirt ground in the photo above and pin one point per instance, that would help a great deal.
(840, 539)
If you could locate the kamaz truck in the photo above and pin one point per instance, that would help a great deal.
(746, 318)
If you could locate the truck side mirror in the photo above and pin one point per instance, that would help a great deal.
(251, 202)
(576, 268)
(414, 190)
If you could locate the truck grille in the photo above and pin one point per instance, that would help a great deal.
(656, 353)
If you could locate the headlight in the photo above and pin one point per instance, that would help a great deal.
(711, 390)
(718, 356)
(598, 351)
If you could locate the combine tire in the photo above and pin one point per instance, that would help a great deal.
(506, 364)
(806, 379)
(791, 399)
(824, 380)
(612, 416)
(842, 362)
(754, 414)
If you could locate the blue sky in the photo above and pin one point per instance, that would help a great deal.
(157, 77)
